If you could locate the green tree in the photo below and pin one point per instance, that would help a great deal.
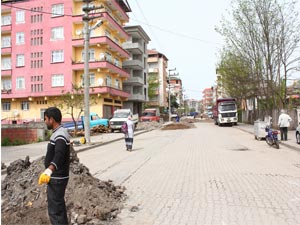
(153, 85)
(263, 37)
(72, 103)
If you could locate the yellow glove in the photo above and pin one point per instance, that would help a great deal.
(45, 176)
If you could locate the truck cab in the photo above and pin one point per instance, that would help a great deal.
(149, 115)
(225, 112)
(120, 116)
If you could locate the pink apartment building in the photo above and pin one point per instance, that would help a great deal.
(42, 55)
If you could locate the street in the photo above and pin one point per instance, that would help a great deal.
(209, 175)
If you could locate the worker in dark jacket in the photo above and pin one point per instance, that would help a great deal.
(57, 163)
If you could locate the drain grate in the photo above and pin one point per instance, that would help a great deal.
(240, 149)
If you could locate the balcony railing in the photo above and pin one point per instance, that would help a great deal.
(109, 90)
(101, 65)
(134, 64)
(137, 97)
(135, 80)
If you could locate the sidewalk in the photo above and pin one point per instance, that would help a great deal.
(36, 150)
(290, 143)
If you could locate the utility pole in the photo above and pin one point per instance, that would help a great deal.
(86, 32)
(169, 92)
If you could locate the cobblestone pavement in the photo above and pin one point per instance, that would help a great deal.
(206, 176)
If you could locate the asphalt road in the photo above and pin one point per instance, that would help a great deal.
(209, 175)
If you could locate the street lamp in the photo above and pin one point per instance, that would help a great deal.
(169, 92)
(87, 31)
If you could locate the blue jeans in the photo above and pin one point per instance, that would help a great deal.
(56, 201)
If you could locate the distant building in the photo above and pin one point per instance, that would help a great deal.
(42, 55)
(177, 89)
(207, 100)
(137, 67)
(157, 71)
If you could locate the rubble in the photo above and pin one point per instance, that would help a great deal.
(178, 125)
(88, 199)
(149, 125)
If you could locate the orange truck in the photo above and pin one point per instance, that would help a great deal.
(149, 115)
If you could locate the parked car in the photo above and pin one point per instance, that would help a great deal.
(298, 134)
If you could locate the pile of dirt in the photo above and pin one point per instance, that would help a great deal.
(149, 125)
(88, 199)
(178, 125)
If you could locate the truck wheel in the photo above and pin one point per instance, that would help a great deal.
(112, 130)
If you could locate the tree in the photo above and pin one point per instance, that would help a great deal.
(153, 85)
(72, 103)
(174, 103)
(262, 38)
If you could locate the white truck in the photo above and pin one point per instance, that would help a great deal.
(120, 116)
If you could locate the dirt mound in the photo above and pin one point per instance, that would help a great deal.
(179, 125)
(88, 199)
(149, 125)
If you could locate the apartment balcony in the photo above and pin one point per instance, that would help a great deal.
(6, 29)
(133, 64)
(137, 97)
(114, 6)
(135, 48)
(109, 22)
(110, 91)
(101, 65)
(134, 81)
(6, 72)
(153, 70)
(105, 41)
(6, 51)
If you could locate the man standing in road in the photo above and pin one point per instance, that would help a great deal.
(283, 123)
(57, 163)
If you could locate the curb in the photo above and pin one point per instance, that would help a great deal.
(108, 142)
(281, 143)
(95, 145)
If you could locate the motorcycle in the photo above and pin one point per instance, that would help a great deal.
(272, 137)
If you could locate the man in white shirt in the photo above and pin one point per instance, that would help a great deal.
(283, 123)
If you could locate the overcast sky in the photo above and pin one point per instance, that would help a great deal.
(184, 32)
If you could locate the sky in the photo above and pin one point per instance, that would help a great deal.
(184, 31)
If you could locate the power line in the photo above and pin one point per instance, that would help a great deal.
(156, 39)
(147, 23)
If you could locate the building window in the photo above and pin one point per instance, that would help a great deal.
(6, 63)
(117, 63)
(20, 83)
(20, 38)
(108, 80)
(5, 41)
(57, 56)
(107, 33)
(5, 20)
(57, 10)
(20, 60)
(92, 79)
(5, 84)
(91, 55)
(57, 33)
(57, 80)
(25, 105)
(5, 106)
(20, 16)
(108, 56)
(117, 84)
